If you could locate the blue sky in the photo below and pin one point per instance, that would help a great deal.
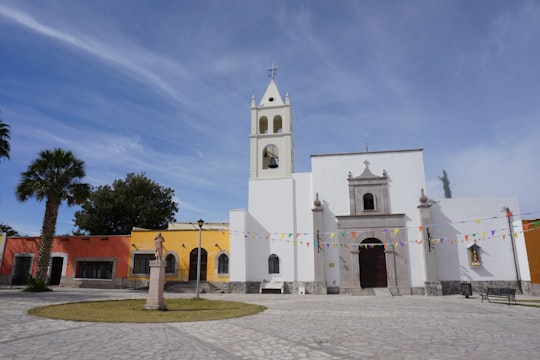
(164, 88)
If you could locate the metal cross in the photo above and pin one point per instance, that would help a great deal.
(272, 72)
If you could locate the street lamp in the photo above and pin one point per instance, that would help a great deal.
(201, 223)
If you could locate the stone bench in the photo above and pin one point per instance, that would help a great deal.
(274, 287)
(501, 293)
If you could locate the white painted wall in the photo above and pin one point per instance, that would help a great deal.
(3, 240)
(304, 197)
(455, 218)
(272, 213)
(238, 245)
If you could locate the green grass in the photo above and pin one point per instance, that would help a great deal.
(131, 311)
(531, 303)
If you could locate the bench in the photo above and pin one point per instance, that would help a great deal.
(274, 287)
(501, 293)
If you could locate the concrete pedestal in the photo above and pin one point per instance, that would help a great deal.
(155, 300)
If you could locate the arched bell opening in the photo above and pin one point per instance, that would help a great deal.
(270, 157)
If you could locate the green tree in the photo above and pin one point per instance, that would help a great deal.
(55, 176)
(8, 230)
(134, 202)
(4, 140)
(446, 184)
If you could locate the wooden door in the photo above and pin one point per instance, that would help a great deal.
(56, 270)
(372, 264)
(193, 264)
(21, 270)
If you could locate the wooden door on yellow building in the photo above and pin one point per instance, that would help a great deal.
(193, 264)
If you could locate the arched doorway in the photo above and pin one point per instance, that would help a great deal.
(193, 264)
(372, 264)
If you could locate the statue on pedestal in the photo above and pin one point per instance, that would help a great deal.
(158, 246)
(155, 300)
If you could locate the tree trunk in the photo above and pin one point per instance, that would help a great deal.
(47, 233)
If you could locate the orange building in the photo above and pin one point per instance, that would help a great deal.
(531, 229)
(77, 261)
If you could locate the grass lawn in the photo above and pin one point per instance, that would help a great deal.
(531, 303)
(131, 311)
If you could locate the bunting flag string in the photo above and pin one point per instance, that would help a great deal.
(526, 227)
(347, 238)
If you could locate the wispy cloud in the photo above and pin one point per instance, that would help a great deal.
(136, 61)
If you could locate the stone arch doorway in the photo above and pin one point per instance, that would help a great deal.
(193, 264)
(372, 261)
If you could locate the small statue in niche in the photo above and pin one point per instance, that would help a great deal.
(475, 256)
(158, 246)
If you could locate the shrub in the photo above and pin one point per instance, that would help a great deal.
(36, 285)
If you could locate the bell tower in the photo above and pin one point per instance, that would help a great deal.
(271, 148)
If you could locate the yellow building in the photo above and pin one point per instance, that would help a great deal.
(180, 253)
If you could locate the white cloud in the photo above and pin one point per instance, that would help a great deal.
(502, 167)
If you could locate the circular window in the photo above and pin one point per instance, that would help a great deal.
(271, 99)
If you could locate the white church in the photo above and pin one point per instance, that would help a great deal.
(359, 222)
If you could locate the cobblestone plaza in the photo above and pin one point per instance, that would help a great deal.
(293, 327)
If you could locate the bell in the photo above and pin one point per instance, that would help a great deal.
(273, 163)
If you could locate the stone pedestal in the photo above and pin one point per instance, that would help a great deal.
(155, 300)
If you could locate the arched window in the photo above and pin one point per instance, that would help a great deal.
(263, 125)
(270, 157)
(369, 202)
(273, 264)
(171, 264)
(223, 264)
(278, 124)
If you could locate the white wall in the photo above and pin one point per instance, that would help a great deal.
(237, 245)
(272, 214)
(477, 218)
(3, 240)
(304, 198)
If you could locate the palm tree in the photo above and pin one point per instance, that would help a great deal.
(54, 176)
(4, 140)
(8, 230)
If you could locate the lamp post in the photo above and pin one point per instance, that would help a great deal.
(201, 223)
(509, 215)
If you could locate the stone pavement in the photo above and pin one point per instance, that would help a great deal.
(293, 327)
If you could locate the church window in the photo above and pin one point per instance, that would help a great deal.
(369, 202)
(273, 264)
(270, 157)
(223, 264)
(263, 125)
(171, 264)
(278, 124)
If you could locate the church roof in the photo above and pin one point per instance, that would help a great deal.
(271, 96)
(367, 152)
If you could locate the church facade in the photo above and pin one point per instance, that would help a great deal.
(361, 221)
